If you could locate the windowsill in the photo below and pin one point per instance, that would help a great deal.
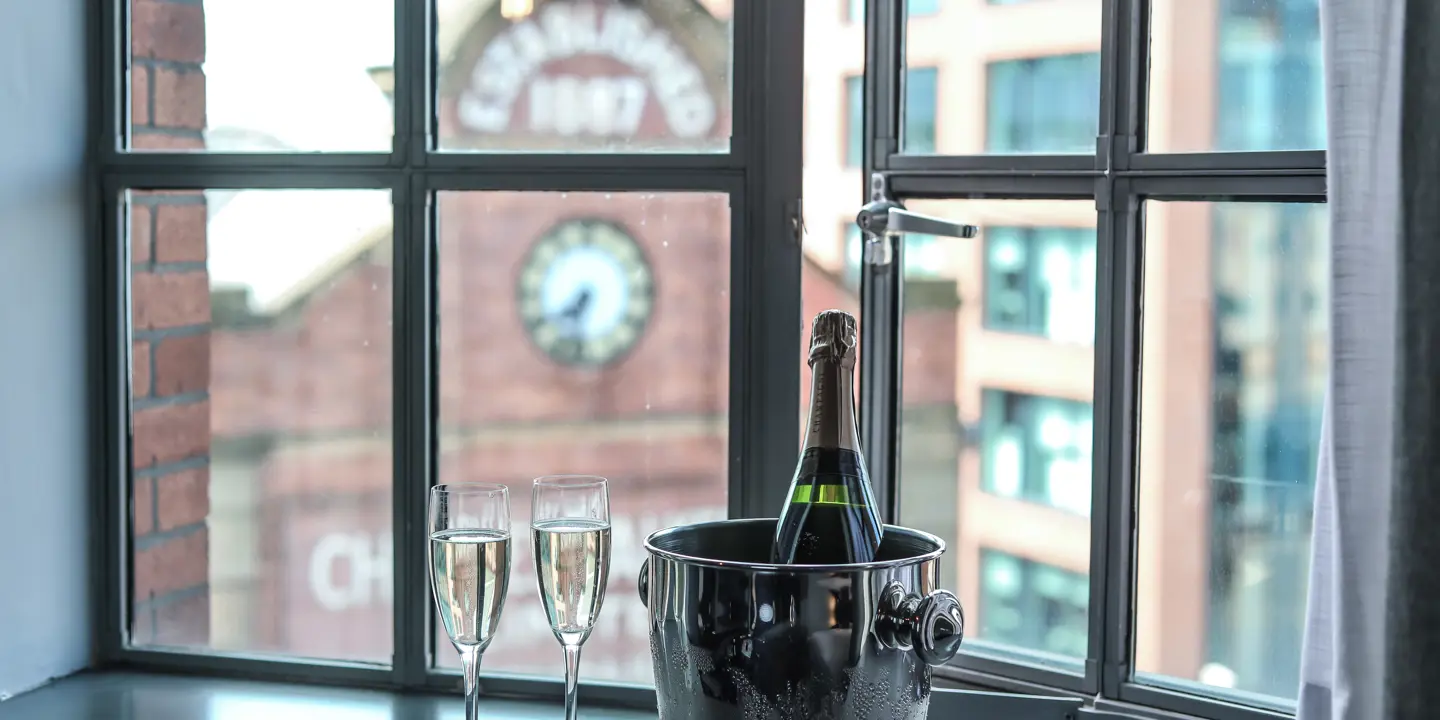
(148, 696)
(95, 695)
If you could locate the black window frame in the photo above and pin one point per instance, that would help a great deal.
(1119, 176)
(760, 173)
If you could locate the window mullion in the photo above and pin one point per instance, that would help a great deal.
(880, 287)
(110, 275)
(884, 64)
(109, 68)
(1116, 376)
(411, 99)
(880, 384)
(766, 262)
(414, 368)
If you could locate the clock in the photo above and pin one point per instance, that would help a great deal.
(585, 293)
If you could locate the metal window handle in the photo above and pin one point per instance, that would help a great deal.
(883, 220)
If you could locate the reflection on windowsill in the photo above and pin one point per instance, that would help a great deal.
(171, 697)
(248, 707)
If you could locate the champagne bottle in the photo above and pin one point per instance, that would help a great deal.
(830, 516)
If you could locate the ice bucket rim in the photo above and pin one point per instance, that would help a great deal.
(772, 567)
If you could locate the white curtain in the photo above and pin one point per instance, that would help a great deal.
(1342, 672)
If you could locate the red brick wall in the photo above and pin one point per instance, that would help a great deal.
(170, 349)
(167, 86)
(170, 367)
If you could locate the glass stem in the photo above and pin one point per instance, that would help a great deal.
(572, 681)
(470, 662)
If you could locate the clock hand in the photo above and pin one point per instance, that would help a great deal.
(574, 311)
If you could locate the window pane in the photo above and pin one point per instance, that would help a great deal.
(261, 419)
(1235, 364)
(996, 422)
(831, 175)
(602, 76)
(586, 333)
(1027, 79)
(260, 75)
(1234, 75)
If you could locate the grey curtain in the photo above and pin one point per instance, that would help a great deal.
(1413, 604)
(1343, 668)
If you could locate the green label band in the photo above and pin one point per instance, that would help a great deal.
(822, 495)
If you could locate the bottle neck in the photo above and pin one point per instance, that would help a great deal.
(832, 407)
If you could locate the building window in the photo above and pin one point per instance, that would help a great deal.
(919, 108)
(1043, 105)
(1032, 605)
(921, 85)
(1041, 281)
(1036, 448)
(855, 121)
(1270, 83)
(924, 254)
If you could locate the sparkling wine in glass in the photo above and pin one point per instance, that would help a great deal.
(570, 525)
(470, 570)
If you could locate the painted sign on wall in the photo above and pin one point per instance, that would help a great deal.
(587, 70)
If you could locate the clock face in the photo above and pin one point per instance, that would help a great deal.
(585, 293)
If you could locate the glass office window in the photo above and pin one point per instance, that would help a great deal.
(1043, 104)
(1032, 605)
(1041, 281)
(1037, 449)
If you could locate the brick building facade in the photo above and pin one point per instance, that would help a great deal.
(170, 337)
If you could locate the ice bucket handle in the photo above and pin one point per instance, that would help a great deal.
(933, 625)
(644, 583)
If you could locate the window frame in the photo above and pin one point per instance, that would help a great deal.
(760, 173)
(1119, 177)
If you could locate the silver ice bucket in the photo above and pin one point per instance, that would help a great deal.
(734, 636)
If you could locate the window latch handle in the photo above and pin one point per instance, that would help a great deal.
(882, 220)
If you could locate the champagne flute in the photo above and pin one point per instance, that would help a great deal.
(570, 524)
(470, 570)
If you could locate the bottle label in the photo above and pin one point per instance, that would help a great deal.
(822, 495)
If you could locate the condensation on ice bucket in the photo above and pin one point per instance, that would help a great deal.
(734, 636)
